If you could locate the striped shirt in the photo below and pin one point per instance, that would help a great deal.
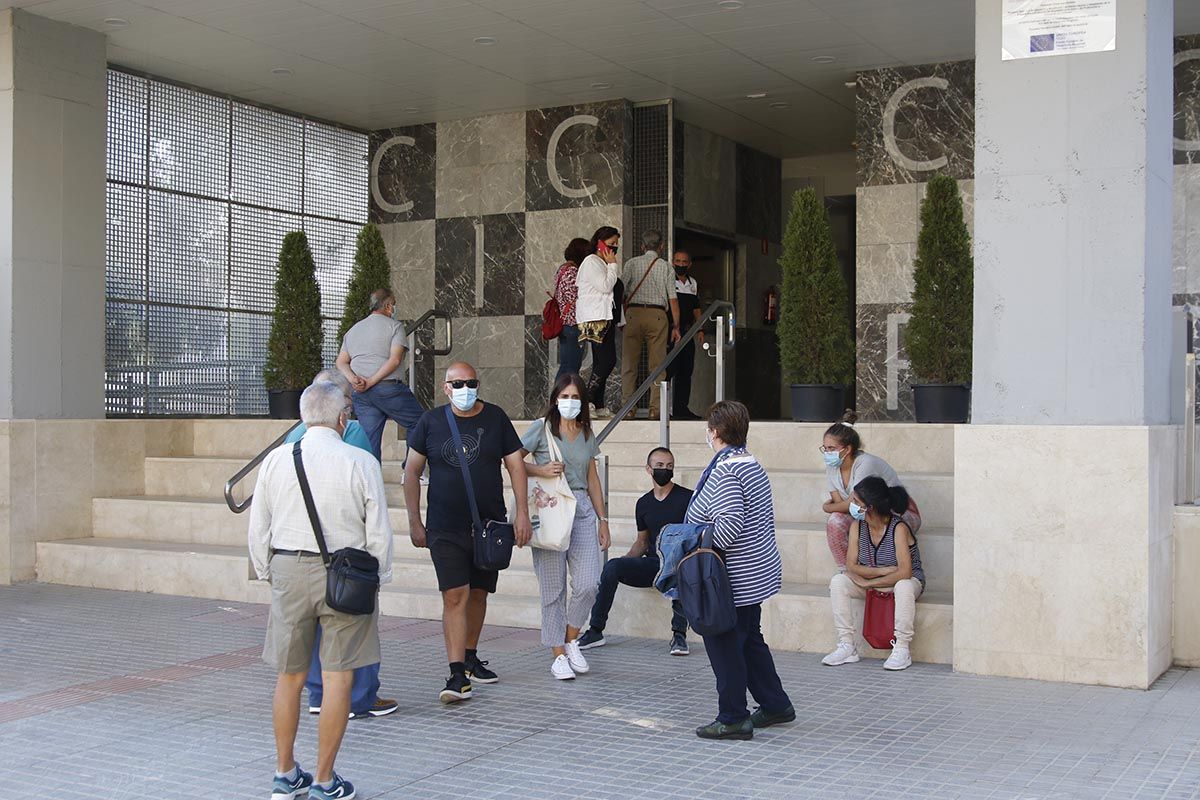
(885, 554)
(737, 500)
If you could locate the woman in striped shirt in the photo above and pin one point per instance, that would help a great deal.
(734, 495)
(883, 555)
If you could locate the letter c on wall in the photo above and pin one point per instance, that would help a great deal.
(1180, 57)
(392, 208)
(556, 181)
(889, 125)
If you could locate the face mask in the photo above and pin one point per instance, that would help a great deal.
(663, 476)
(464, 398)
(833, 459)
(681, 271)
(858, 512)
(708, 437)
(569, 407)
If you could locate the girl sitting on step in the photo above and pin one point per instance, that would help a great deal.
(846, 463)
(884, 556)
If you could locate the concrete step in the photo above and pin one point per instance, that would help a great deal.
(796, 619)
(205, 521)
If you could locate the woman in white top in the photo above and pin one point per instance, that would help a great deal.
(846, 464)
(598, 276)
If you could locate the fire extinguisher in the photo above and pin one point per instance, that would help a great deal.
(771, 306)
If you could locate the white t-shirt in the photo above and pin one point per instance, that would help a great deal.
(865, 466)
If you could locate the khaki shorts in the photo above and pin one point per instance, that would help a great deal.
(348, 641)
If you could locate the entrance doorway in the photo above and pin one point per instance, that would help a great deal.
(713, 261)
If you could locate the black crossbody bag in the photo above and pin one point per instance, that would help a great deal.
(351, 575)
(492, 541)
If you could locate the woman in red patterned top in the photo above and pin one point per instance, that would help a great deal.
(570, 354)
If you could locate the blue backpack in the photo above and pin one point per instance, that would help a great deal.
(704, 591)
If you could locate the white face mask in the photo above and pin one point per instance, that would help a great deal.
(464, 398)
(569, 407)
(708, 437)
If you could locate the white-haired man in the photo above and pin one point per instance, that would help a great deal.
(347, 490)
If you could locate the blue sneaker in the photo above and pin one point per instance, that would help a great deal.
(283, 789)
(340, 790)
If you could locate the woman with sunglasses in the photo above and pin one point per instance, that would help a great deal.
(567, 421)
(846, 464)
(595, 311)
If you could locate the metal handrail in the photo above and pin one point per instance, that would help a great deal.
(652, 378)
(235, 506)
(413, 351)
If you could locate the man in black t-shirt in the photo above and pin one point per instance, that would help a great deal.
(488, 438)
(665, 504)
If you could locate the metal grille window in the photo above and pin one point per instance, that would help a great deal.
(201, 191)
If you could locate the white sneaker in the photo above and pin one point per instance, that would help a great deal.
(899, 659)
(846, 653)
(599, 413)
(561, 669)
(575, 658)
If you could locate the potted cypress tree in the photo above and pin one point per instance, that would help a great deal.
(939, 333)
(815, 346)
(371, 272)
(294, 347)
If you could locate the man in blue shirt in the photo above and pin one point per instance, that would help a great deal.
(364, 693)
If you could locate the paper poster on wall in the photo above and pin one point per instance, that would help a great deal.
(1036, 28)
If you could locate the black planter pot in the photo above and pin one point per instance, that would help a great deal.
(818, 402)
(942, 402)
(284, 404)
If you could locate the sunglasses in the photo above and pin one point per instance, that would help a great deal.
(472, 383)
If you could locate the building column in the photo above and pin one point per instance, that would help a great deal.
(1065, 479)
(53, 79)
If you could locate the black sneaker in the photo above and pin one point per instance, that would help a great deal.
(679, 645)
(719, 730)
(762, 719)
(458, 688)
(478, 671)
(589, 639)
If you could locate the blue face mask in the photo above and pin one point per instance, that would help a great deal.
(569, 407)
(833, 459)
(464, 398)
(858, 512)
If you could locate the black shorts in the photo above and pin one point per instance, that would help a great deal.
(453, 555)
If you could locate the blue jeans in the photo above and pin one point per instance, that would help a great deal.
(363, 693)
(741, 660)
(636, 571)
(570, 354)
(383, 401)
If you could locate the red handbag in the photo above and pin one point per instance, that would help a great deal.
(879, 619)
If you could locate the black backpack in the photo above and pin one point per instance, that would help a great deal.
(704, 591)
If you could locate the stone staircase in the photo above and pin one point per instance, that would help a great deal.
(180, 538)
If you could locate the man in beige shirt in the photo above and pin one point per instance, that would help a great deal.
(649, 292)
(347, 489)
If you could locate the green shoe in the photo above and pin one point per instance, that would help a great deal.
(762, 719)
(719, 730)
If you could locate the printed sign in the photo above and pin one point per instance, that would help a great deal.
(1036, 28)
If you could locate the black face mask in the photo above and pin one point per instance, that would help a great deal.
(663, 476)
(681, 271)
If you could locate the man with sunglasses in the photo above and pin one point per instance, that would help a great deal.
(371, 359)
(488, 439)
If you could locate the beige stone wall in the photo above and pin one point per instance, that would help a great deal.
(51, 469)
(1186, 613)
(1063, 552)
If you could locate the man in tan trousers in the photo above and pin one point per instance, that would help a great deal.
(649, 283)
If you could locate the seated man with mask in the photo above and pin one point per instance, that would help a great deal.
(665, 504)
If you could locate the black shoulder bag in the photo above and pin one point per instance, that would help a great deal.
(493, 541)
(351, 575)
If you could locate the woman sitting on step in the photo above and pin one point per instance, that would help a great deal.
(567, 430)
(883, 556)
(846, 463)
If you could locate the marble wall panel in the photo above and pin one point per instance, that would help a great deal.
(887, 214)
(503, 264)
(884, 273)
(1187, 100)
(500, 341)
(403, 170)
(914, 121)
(709, 180)
(1187, 229)
(883, 374)
(759, 195)
(411, 249)
(577, 155)
(504, 386)
(539, 368)
(546, 236)
(456, 285)
(481, 166)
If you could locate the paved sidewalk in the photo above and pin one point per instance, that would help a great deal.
(119, 696)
